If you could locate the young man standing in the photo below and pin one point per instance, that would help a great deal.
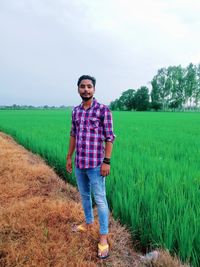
(91, 127)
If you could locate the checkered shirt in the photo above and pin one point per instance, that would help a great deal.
(91, 128)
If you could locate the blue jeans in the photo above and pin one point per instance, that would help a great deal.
(90, 181)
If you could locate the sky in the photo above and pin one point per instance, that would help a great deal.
(46, 45)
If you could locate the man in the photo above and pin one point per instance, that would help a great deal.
(91, 127)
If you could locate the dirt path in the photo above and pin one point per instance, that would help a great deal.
(37, 213)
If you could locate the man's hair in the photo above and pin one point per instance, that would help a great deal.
(87, 77)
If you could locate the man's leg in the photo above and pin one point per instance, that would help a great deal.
(99, 191)
(85, 192)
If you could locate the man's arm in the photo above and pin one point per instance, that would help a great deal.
(105, 168)
(72, 143)
(70, 153)
(108, 149)
(109, 138)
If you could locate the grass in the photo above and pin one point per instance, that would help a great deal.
(37, 213)
(154, 184)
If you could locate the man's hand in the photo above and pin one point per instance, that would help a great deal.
(72, 143)
(69, 165)
(105, 169)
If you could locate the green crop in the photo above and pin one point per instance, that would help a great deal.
(154, 185)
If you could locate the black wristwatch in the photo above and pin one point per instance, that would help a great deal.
(106, 161)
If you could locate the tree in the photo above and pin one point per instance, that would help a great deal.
(164, 86)
(155, 97)
(191, 84)
(142, 98)
(160, 88)
(172, 87)
(127, 99)
(175, 104)
(155, 105)
(197, 88)
(114, 104)
(125, 102)
(177, 84)
(155, 91)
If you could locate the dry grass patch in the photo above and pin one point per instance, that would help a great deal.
(37, 213)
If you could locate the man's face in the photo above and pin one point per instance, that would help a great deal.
(86, 89)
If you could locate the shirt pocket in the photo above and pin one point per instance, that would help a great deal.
(94, 123)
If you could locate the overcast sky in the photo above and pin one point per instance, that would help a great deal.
(45, 45)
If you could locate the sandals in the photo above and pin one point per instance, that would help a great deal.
(101, 249)
(79, 228)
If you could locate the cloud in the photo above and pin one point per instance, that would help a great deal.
(46, 45)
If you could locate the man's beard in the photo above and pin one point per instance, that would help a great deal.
(86, 98)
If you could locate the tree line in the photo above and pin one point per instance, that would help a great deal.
(172, 88)
(24, 107)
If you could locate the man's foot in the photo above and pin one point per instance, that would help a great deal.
(103, 247)
(103, 251)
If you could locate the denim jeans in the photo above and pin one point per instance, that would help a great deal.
(90, 181)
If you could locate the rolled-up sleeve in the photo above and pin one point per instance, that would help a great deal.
(108, 126)
(73, 126)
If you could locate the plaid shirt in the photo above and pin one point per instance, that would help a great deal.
(91, 128)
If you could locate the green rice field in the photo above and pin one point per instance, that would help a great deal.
(154, 185)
